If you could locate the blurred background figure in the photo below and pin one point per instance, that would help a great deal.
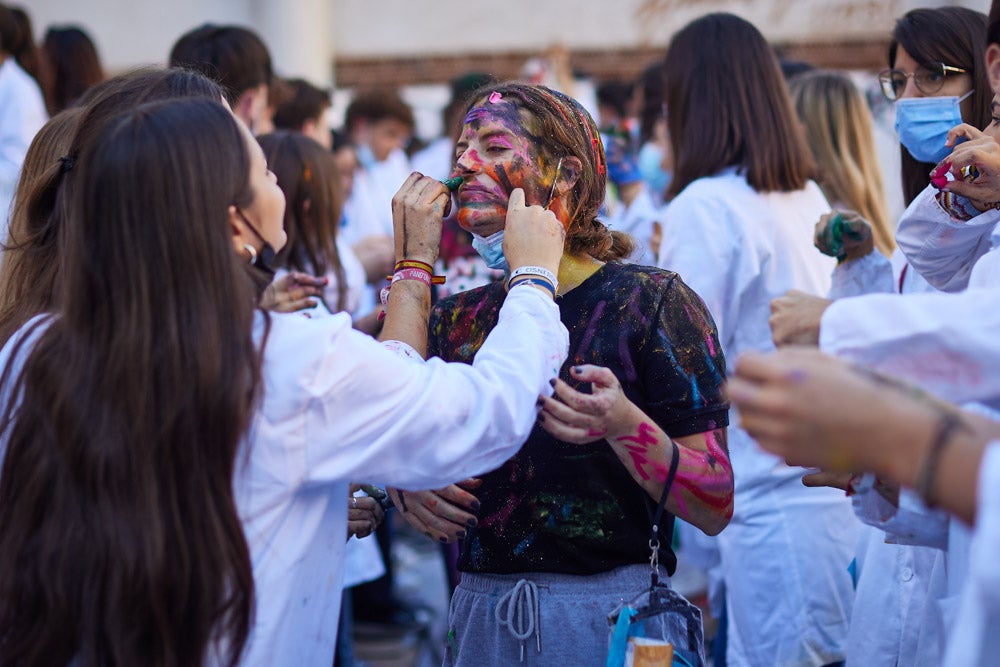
(22, 111)
(379, 124)
(74, 64)
(839, 130)
(655, 156)
(20, 43)
(739, 230)
(303, 109)
(629, 205)
(238, 60)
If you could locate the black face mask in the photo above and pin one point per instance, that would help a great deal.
(264, 259)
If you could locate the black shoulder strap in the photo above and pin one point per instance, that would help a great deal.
(668, 534)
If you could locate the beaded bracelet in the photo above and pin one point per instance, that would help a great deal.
(534, 271)
(541, 282)
(948, 422)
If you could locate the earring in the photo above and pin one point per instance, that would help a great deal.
(253, 253)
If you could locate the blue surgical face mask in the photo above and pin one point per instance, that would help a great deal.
(490, 249)
(366, 157)
(651, 168)
(923, 123)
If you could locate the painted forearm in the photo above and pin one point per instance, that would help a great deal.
(702, 491)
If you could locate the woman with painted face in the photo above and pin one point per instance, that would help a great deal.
(553, 539)
(175, 461)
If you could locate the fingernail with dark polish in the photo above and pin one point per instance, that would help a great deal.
(577, 369)
(443, 540)
(552, 382)
(461, 534)
(475, 504)
(472, 523)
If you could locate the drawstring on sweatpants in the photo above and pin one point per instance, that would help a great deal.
(523, 614)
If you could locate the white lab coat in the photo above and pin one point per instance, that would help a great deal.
(22, 114)
(637, 220)
(946, 343)
(974, 641)
(942, 249)
(785, 554)
(901, 554)
(338, 406)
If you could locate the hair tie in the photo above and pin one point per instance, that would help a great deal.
(67, 163)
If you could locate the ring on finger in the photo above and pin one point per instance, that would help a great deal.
(354, 502)
(969, 173)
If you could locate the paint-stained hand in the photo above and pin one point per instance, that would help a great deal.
(974, 165)
(533, 236)
(574, 416)
(418, 211)
(795, 318)
(293, 291)
(844, 235)
(364, 514)
(443, 515)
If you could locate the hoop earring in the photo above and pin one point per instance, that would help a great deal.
(253, 253)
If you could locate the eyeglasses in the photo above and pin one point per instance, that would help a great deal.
(929, 79)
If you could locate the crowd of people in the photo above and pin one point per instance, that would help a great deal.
(234, 340)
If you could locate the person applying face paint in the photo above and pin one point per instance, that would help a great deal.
(569, 516)
(160, 444)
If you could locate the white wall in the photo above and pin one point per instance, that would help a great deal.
(304, 35)
(129, 33)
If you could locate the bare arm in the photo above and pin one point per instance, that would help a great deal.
(817, 411)
(702, 492)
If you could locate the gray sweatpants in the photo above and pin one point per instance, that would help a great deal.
(569, 626)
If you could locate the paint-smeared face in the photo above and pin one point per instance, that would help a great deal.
(499, 150)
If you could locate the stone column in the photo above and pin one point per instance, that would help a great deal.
(300, 37)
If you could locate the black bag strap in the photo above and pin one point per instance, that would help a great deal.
(654, 538)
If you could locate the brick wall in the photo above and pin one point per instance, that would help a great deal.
(601, 65)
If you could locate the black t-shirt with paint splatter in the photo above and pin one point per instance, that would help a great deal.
(574, 509)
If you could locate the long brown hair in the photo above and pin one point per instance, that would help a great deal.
(307, 174)
(839, 129)
(728, 105)
(74, 62)
(955, 36)
(30, 265)
(120, 542)
(566, 129)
